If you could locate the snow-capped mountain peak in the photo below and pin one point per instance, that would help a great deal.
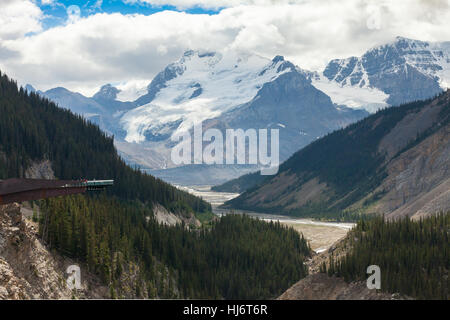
(201, 85)
(432, 58)
(107, 92)
(400, 71)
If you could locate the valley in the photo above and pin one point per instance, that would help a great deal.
(145, 238)
(319, 234)
(228, 150)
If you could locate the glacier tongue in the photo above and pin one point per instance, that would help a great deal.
(207, 85)
(356, 97)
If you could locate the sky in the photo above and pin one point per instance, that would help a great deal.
(82, 45)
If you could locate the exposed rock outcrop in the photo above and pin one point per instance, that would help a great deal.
(163, 216)
(28, 270)
(40, 170)
(320, 286)
(418, 183)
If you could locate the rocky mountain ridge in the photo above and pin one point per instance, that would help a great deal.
(401, 71)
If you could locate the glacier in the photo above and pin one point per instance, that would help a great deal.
(207, 85)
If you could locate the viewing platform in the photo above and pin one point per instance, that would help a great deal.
(19, 190)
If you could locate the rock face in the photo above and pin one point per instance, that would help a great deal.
(159, 82)
(40, 170)
(418, 182)
(28, 270)
(163, 216)
(320, 286)
(404, 70)
(106, 93)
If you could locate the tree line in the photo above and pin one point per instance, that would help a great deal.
(414, 256)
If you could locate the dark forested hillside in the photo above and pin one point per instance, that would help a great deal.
(413, 256)
(237, 258)
(33, 129)
(352, 169)
(241, 184)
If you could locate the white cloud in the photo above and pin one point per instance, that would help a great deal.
(18, 17)
(102, 48)
(211, 4)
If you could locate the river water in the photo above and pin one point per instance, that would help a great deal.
(218, 198)
(320, 235)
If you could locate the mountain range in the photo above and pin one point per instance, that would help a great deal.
(240, 90)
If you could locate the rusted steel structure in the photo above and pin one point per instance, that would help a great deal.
(19, 190)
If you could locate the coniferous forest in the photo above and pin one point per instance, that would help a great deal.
(413, 256)
(238, 257)
(114, 233)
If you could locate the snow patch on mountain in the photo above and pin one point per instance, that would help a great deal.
(356, 97)
(205, 85)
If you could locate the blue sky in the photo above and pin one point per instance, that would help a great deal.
(56, 12)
